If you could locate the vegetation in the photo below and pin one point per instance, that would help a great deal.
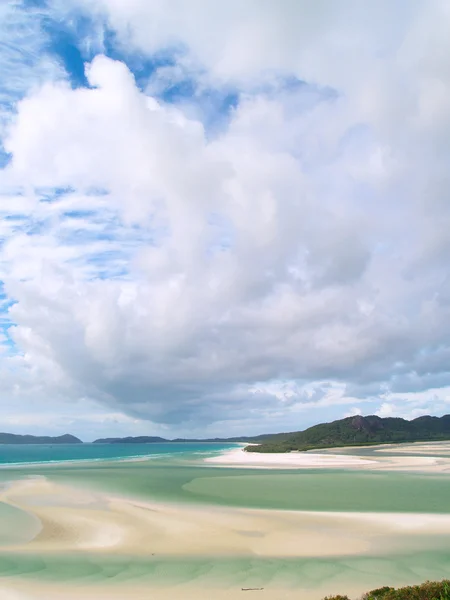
(352, 431)
(431, 590)
(144, 439)
(358, 431)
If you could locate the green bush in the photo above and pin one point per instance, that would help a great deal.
(378, 594)
(430, 590)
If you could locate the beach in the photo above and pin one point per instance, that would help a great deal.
(83, 537)
(330, 459)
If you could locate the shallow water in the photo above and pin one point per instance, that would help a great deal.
(16, 526)
(179, 475)
(240, 571)
(322, 490)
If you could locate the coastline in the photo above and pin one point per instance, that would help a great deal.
(327, 459)
(104, 453)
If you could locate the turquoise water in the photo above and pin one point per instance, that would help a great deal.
(175, 472)
(43, 453)
(179, 479)
(334, 573)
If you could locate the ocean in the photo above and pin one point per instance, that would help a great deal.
(16, 454)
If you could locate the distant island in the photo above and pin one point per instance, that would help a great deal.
(11, 438)
(358, 431)
(143, 439)
(351, 431)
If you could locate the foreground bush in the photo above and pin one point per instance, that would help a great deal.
(431, 590)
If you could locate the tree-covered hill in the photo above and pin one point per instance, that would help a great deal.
(11, 438)
(359, 430)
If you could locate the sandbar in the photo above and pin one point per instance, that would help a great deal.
(297, 554)
(326, 459)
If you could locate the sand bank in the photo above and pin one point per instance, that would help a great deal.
(74, 520)
(84, 521)
(237, 457)
(424, 448)
(77, 523)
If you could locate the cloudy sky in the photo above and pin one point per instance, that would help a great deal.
(222, 217)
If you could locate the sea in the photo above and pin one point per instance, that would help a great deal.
(17, 454)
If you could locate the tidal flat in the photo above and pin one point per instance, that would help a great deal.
(177, 525)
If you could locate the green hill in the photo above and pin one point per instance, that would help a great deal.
(358, 430)
(11, 438)
(143, 439)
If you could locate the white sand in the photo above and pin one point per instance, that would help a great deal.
(442, 448)
(126, 526)
(132, 527)
(77, 520)
(238, 457)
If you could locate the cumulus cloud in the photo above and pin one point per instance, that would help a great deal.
(293, 263)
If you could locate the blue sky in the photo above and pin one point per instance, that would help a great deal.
(221, 218)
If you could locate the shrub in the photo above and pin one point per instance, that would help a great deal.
(430, 590)
(378, 594)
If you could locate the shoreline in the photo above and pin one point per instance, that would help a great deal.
(326, 459)
(112, 459)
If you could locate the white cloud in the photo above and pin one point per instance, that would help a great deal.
(243, 41)
(25, 62)
(354, 411)
(294, 263)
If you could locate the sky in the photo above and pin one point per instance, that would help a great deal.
(222, 218)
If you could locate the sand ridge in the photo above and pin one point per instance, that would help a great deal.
(78, 520)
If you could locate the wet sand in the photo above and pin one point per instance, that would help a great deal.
(76, 522)
(78, 541)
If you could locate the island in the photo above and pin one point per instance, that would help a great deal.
(351, 431)
(358, 431)
(12, 438)
(144, 439)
